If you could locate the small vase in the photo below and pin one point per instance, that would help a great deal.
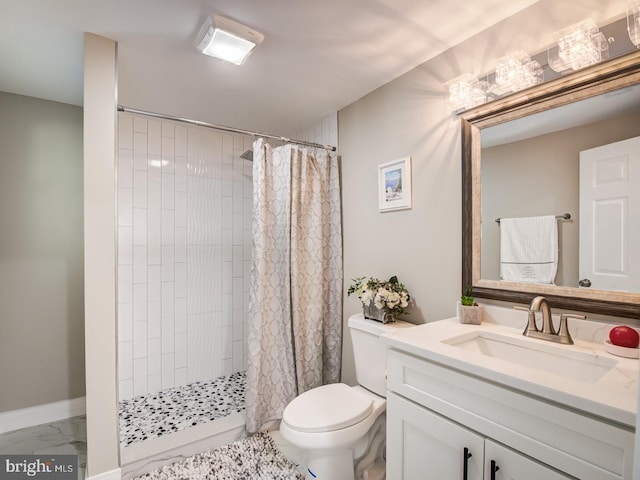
(372, 312)
(471, 314)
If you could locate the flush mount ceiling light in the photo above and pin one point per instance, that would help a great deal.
(578, 46)
(227, 39)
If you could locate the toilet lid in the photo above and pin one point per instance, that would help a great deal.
(327, 408)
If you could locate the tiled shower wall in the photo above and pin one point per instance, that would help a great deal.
(184, 246)
(184, 251)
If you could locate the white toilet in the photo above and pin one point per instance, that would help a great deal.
(342, 428)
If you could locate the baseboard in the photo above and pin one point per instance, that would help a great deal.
(110, 475)
(47, 413)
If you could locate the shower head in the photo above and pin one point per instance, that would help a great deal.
(248, 155)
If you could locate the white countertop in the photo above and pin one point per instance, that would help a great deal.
(613, 396)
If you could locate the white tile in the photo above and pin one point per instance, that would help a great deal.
(155, 383)
(154, 283)
(227, 149)
(168, 155)
(125, 389)
(140, 376)
(125, 284)
(125, 168)
(180, 322)
(168, 301)
(139, 124)
(125, 131)
(227, 366)
(227, 212)
(168, 371)
(154, 173)
(238, 354)
(168, 263)
(238, 197)
(238, 262)
(125, 322)
(246, 277)
(139, 226)
(181, 140)
(154, 135)
(139, 151)
(238, 231)
(139, 340)
(227, 342)
(168, 129)
(180, 181)
(154, 242)
(125, 207)
(140, 302)
(168, 191)
(168, 335)
(181, 350)
(125, 360)
(181, 377)
(180, 205)
(227, 245)
(180, 274)
(180, 244)
(154, 357)
(154, 323)
(237, 292)
(247, 213)
(125, 245)
(227, 277)
(238, 324)
(154, 210)
(227, 180)
(139, 264)
(140, 189)
(168, 227)
(227, 309)
(247, 243)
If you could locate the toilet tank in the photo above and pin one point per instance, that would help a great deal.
(370, 354)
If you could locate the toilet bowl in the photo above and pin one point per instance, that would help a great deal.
(342, 428)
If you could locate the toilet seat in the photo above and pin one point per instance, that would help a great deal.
(327, 408)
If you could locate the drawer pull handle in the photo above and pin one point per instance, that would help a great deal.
(465, 463)
(494, 469)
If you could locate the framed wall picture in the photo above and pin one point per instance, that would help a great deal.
(394, 185)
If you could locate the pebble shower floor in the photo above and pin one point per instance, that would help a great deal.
(160, 413)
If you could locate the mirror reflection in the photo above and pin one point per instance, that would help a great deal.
(580, 160)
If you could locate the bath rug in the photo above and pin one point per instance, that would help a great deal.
(254, 458)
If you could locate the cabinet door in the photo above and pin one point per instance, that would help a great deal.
(422, 445)
(515, 466)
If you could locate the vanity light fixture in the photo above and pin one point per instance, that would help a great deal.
(515, 71)
(227, 39)
(578, 46)
(466, 91)
(633, 21)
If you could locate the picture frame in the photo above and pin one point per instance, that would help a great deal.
(394, 185)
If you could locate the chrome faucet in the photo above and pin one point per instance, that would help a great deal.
(548, 332)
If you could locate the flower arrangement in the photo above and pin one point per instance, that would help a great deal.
(389, 295)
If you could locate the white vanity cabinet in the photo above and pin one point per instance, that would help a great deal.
(434, 412)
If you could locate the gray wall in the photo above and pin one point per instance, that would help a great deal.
(411, 116)
(41, 249)
(540, 176)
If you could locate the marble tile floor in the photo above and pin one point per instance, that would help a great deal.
(64, 437)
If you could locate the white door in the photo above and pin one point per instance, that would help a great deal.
(502, 463)
(422, 445)
(610, 216)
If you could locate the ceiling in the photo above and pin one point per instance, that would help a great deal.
(317, 56)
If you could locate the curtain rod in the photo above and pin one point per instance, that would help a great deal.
(223, 128)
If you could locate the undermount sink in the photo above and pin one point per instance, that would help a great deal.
(536, 354)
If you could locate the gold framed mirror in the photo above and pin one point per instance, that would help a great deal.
(609, 78)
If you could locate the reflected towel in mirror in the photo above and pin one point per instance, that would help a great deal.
(529, 249)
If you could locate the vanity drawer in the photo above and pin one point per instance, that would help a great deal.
(578, 444)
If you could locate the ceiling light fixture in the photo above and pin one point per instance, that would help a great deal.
(633, 22)
(578, 46)
(227, 39)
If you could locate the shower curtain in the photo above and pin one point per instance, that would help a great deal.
(295, 304)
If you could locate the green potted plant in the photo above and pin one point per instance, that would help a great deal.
(381, 300)
(470, 311)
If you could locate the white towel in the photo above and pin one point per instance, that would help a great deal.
(529, 249)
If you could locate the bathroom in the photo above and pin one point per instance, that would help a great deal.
(407, 116)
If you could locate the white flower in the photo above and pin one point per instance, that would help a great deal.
(366, 297)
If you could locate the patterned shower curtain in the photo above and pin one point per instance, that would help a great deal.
(295, 304)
